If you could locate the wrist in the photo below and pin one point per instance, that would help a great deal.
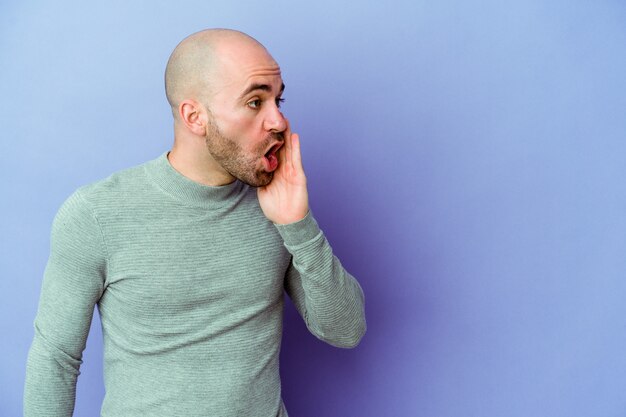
(299, 232)
(284, 220)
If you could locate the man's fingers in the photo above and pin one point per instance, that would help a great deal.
(288, 147)
(297, 156)
(282, 154)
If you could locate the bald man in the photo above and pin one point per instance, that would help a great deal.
(188, 256)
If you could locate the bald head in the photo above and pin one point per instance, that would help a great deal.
(197, 65)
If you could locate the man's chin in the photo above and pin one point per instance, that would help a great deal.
(260, 180)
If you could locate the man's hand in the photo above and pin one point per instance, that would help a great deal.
(285, 199)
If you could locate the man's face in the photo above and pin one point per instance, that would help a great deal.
(246, 125)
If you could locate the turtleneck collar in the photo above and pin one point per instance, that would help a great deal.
(187, 191)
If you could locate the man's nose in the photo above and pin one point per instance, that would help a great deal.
(275, 121)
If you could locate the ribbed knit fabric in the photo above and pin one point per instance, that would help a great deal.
(189, 281)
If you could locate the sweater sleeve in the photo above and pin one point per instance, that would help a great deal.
(328, 298)
(73, 282)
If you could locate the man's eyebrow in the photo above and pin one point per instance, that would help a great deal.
(262, 87)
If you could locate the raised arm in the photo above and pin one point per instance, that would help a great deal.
(329, 299)
(73, 283)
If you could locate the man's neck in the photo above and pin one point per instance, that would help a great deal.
(198, 166)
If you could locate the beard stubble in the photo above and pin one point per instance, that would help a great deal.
(241, 165)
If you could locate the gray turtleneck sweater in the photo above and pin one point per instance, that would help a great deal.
(189, 281)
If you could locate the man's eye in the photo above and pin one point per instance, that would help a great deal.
(279, 101)
(254, 104)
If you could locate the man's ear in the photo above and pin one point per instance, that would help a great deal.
(193, 115)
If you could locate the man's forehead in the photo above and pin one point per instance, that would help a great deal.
(241, 70)
(245, 80)
(267, 75)
(263, 71)
(247, 60)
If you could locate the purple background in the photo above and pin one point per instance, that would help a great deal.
(466, 160)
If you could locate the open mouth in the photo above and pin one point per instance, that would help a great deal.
(271, 159)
